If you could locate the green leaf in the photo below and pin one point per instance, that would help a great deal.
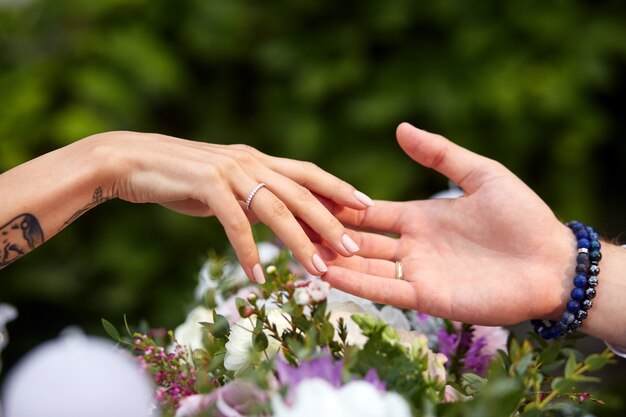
(472, 383)
(111, 330)
(220, 327)
(571, 366)
(563, 385)
(327, 333)
(551, 367)
(596, 361)
(240, 303)
(549, 354)
(523, 364)
(259, 341)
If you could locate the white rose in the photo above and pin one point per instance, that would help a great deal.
(316, 397)
(191, 332)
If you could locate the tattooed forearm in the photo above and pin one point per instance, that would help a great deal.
(18, 237)
(97, 198)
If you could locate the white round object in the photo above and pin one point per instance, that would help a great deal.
(77, 376)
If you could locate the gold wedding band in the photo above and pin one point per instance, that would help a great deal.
(252, 193)
(399, 270)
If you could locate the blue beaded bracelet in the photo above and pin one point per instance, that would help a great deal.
(585, 283)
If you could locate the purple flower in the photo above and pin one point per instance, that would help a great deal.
(322, 367)
(448, 343)
(475, 361)
(478, 352)
(372, 377)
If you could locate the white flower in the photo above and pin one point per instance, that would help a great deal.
(345, 310)
(392, 316)
(316, 397)
(436, 371)
(435, 362)
(318, 290)
(191, 332)
(395, 318)
(239, 348)
(307, 292)
(77, 376)
(233, 274)
(301, 296)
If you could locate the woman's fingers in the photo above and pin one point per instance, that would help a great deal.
(305, 206)
(237, 228)
(465, 168)
(276, 215)
(320, 182)
(377, 289)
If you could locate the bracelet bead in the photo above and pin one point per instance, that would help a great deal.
(580, 281)
(578, 294)
(585, 282)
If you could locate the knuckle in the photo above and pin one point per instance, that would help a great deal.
(211, 172)
(279, 209)
(248, 251)
(228, 165)
(334, 225)
(438, 156)
(311, 166)
(303, 194)
(245, 151)
(238, 223)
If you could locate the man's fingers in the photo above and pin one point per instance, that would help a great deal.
(384, 216)
(377, 267)
(463, 167)
(377, 246)
(379, 290)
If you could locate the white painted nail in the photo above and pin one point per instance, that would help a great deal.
(319, 264)
(363, 198)
(349, 244)
(257, 273)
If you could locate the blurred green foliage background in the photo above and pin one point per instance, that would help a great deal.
(537, 85)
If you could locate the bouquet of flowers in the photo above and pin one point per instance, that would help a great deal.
(295, 347)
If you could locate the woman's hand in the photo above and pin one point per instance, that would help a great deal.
(203, 179)
(497, 255)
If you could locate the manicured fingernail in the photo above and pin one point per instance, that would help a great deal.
(319, 264)
(363, 198)
(257, 273)
(349, 244)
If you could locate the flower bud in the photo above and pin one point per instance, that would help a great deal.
(246, 312)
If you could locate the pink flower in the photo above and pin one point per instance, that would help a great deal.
(453, 395)
(240, 398)
(494, 337)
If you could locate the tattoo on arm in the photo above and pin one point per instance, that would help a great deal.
(97, 198)
(18, 237)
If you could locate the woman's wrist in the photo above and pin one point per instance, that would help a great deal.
(111, 154)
